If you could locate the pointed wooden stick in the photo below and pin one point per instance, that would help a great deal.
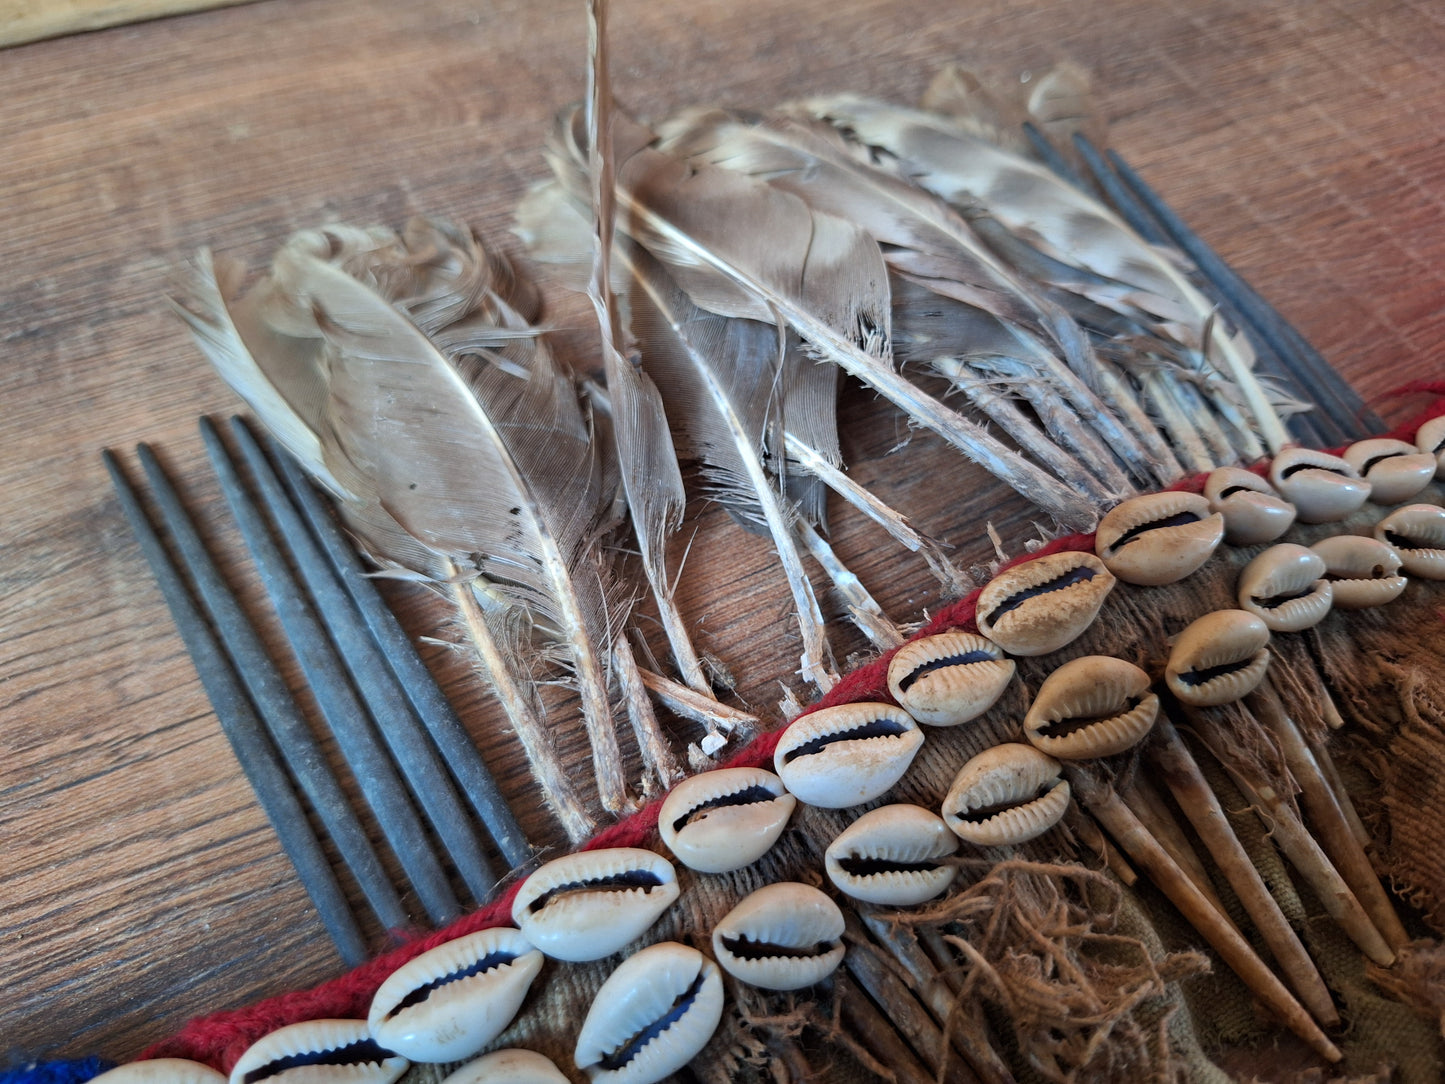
(1342, 794)
(968, 1020)
(1146, 803)
(930, 987)
(1145, 851)
(1182, 776)
(1092, 837)
(1329, 822)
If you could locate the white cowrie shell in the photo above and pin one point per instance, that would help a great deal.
(1253, 512)
(1395, 470)
(1417, 533)
(161, 1071)
(1362, 571)
(1323, 488)
(1285, 588)
(846, 755)
(1218, 658)
(1008, 794)
(319, 1052)
(449, 1002)
(950, 678)
(587, 905)
(893, 856)
(1430, 438)
(723, 820)
(1158, 538)
(1041, 605)
(652, 1015)
(784, 936)
(1093, 706)
(512, 1065)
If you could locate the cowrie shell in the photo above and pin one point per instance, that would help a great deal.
(784, 936)
(1158, 538)
(1323, 488)
(449, 1002)
(1430, 438)
(512, 1065)
(1285, 588)
(319, 1052)
(161, 1071)
(1041, 605)
(1362, 571)
(1093, 706)
(723, 820)
(587, 905)
(1395, 470)
(950, 678)
(1253, 512)
(1006, 795)
(1417, 533)
(846, 755)
(652, 1016)
(893, 856)
(1218, 658)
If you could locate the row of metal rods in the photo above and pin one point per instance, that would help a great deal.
(413, 761)
(1340, 416)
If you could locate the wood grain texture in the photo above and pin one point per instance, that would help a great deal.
(141, 884)
(34, 20)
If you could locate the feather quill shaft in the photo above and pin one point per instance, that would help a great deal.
(1066, 223)
(650, 473)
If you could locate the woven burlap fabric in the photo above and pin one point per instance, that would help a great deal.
(1039, 965)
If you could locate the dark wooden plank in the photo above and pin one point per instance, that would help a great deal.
(141, 883)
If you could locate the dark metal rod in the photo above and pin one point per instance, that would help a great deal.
(243, 730)
(275, 704)
(1315, 428)
(1333, 393)
(338, 701)
(410, 745)
(456, 746)
(1050, 156)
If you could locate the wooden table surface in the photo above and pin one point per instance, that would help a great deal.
(139, 882)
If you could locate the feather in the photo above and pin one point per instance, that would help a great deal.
(650, 473)
(1061, 221)
(477, 469)
(740, 248)
(924, 242)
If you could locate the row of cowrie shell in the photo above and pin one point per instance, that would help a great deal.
(661, 1006)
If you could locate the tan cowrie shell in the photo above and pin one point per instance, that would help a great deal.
(1417, 533)
(1006, 795)
(1430, 438)
(893, 856)
(1158, 538)
(1285, 588)
(512, 1065)
(1362, 571)
(161, 1071)
(652, 1016)
(1253, 512)
(449, 1002)
(1322, 487)
(587, 905)
(950, 678)
(1041, 605)
(846, 755)
(784, 936)
(1093, 706)
(1395, 470)
(319, 1052)
(1218, 658)
(723, 820)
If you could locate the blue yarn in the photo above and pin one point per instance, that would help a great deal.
(77, 1071)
